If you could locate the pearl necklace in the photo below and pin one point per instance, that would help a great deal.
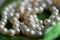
(31, 25)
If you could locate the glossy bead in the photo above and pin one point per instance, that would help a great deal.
(4, 31)
(17, 31)
(11, 32)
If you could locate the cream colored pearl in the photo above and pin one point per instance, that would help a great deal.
(40, 33)
(41, 9)
(53, 23)
(5, 17)
(43, 5)
(4, 13)
(32, 32)
(10, 6)
(4, 31)
(2, 23)
(1, 26)
(55, 13)
(11, 32)
(7, 9)
(40, 21)
(17, 31)
(17, 15)
(27, 29)
(4, 20)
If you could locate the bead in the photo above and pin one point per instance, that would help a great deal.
(27, 29)
(7, 9)
(2, 23)
(54, 13)
(1, 26)
(43, 5)
(11, 32)
(17, 31)
(32, 32)
(17, 15)
(40, 21)
(4, 31)
(40, 33)
(41, 9)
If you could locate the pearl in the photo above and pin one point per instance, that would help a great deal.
(17, 15)
(4, 20)
(17, 31)
(40, 21)
(22, 9)
(41, 9)
(47, 21)
(11, 32)
(1, 26)
(58, 18)
(32, 32)
(4, 31)
(40, 33)
(7, 9)
(27, 29)
(53, 23)
(10, 6)
(2, 23)
(54, 13)
(43, 5)
(4, 13)
(49, 1)
(16, 25)
(5, 17)
(14, 4)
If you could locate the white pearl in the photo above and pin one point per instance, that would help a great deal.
(42, 26)
(49, 1)
(29, 8)
(17, 31)
(43, 5)
(1, 26)
(32, 32)
(5, 17)
(11, 14)
(58, 18)
(41, 9)
(36, 4)
(11, 32)
(22, 9)
(2, 23)
(16, 25)
(52, 17)
(39, 28)
(4, 13)
(47, 21)
(4, 30)
(14, 4)
(40, 33)
(53, 23)
(10, 6)
(7, 9)
(4, 20)
(55, 13)
(17, 15)
(40, 21)
(33, 26)
(27, 29)
(37, 25)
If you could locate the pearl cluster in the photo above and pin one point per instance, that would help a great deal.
(31, 26)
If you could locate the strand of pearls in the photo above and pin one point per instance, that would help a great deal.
(30, 26)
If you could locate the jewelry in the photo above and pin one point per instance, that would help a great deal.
(29, 24)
